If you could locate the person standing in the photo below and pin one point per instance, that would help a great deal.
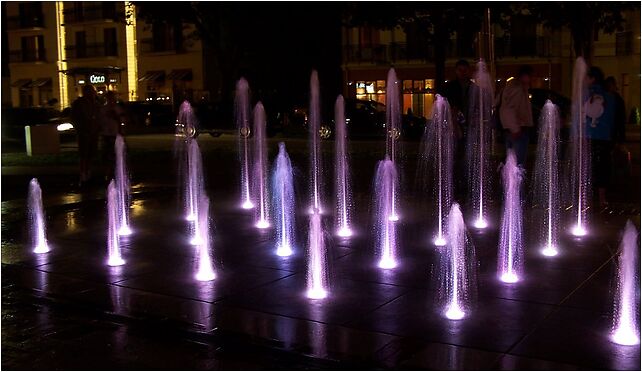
(84, 112)
(111, 118)
(516, 114)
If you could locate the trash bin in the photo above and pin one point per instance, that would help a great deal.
(42, 139)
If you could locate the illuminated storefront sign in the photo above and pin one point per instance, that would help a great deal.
(97, 79)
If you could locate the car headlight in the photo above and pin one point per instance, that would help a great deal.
(64, 127)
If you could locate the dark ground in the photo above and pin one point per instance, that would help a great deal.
(68, 310)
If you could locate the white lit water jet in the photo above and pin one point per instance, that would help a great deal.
(190, 182)
(580, 155)
(436, 163)
(113, 244)
(205, 268)
(386, 231)
(393, 134)
(458, 269)
(242, 117)
(283, 202)
(545, 185)
(195, 188)
(510, 254)
(317, 271)
(122, 186)
(260, 176)
(626, 311)
(316, 167)
(479, 144)
(36, 218)
(342, 171)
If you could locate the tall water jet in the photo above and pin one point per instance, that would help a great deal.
(509, 258)
(186, 124)
(436, 159)
(36, 218)
(342, 171)
(242, 118)
(205, 269)
(458, 273)
(386, 233)
(122, 185)
(317, 271)
(393, 132)
(479, 143)
(546, 177)
(195, 187)
(113, 245)
(283, 201)
(316, 167)
(260, 168)
(626, 305)
(580, 155)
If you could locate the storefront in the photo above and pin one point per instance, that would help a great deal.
(104, 79)
(418, 94)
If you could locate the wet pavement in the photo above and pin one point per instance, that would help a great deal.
(68, 310)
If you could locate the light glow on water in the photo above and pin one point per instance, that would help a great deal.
(550, 251)
(509, 278)
(439, 241)
(454, 312)
(480, 223)
(578, 231)
(344, 232)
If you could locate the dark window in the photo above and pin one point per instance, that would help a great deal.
(33, 48)
(162, 37)
(523, 36)
(109, 10)
(111, 43)
(31, 14)
(81, 44)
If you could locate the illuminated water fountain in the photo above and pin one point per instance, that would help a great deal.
(205, 269)
(259, 178)
(393, 133)
(317, 271)
(242, 117)
(626, 305)
(342, 171)
(122, 186)
(36, 218)
(314, 121)
(545, 183)
(195, 187)
(189, 181)
(510, 254)
(113, 245)
(386, 236)
(479, 144)
(436, 158)
(283, 201)
(458, 274)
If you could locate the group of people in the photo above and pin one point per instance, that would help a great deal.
(604, 120)
(94, 122)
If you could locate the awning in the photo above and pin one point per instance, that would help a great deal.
(184, 75)
(153, 76)
(92, 70)
(20, 83)
(40, 83)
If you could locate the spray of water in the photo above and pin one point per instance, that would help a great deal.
(436, 163)
(186, 124)
(393, 133)
(458, 269)
(205, 268)
(479, 143)
(242, 117)
(260, 168)
(626, 310)
(342, 171)
(36, 218)
(113, 245)
(195, 187)
(546, 178)
(509, 256)
(314, 120)
(317, 271)
(122, 185)
(283, 202)
(385, 228)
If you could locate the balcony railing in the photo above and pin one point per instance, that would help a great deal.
(92, 51)
(92, 13)
(20, 22)
(398, 52)
(149, 46)
(624, 43)
(28, 55)
(535, 46)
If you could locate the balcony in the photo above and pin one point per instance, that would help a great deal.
(535, 46)
(158, 46)
(92, 14)
(27, 55)
(398, 52)
(22, 22)
(95, 50)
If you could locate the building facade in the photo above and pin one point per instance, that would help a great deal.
(55, 48)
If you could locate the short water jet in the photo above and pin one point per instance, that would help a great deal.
(386, 230)
(36, 218)
(283, 201)
(195, 187)
(113, 244)
(510, 255)
(260, 168)
(205, 269)
(317, 271)
(626, 312)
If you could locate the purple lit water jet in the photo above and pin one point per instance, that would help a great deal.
(205, 269)
(342, 176)
(393, 133)
(259, 178)
(283, 201)
(242, 117)
(509, 257)
(36, 218)
(122, 186)
(195, 187)
(113, 245)
(317, 271)
(386, 231)
(190, 181)
(314, 121)
(626, 312)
